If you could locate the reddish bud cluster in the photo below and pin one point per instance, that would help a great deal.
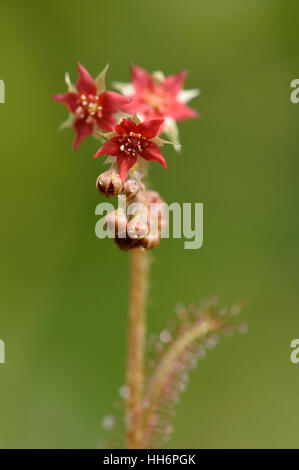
(143, 229)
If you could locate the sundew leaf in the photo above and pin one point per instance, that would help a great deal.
(173, 354)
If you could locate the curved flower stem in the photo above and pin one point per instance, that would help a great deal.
(166, 366)
(136, 344)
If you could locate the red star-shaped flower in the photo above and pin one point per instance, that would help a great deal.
(133, 139)
(90, 104)
(158, 97)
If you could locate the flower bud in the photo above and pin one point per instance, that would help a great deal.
(117, 223)
(153, 197)
(156, 208)
(109, 183)
(150, 241)
(131, 188)
(137, 228)
(126, 243)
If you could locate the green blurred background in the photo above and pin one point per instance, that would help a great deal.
(64, 292)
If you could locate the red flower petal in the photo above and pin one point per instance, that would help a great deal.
(131, 106)
(112, 102)
(125, 127)
(111, 147)
(125, 163)
(70, 99)
(174, 83)
(181, 112)
(140, 78)
(85, 83)
(152, 153)
(83, 129)
(106, 122)
(150, 128)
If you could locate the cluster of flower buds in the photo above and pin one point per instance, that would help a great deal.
(140, 219)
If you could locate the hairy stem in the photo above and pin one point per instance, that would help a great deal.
(136, 345)
(166, 366)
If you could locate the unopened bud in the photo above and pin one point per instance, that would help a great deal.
(137, 228)
(153, 197)
(131, 188)
(150, 241)
(117, 223)
(109, 183)
(157, 213)
(126, 243)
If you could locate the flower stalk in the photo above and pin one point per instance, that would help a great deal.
(136, 346)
